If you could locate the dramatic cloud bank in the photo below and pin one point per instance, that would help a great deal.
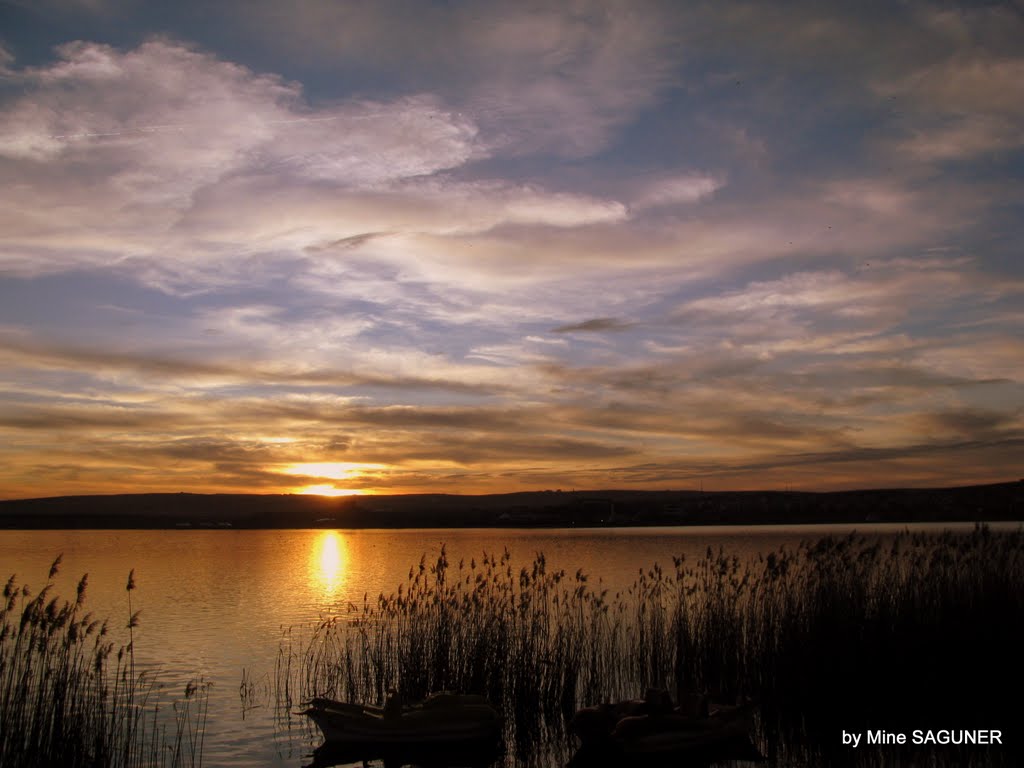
(394, 247)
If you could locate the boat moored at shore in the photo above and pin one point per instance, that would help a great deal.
(440, 719)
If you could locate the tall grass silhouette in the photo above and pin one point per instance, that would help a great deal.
(68, 698)
(915, 631)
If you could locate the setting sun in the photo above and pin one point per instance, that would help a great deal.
(330, 470)
(329, 490)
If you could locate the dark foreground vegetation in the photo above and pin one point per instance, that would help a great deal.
(911, 632)
(558, 509)
(68, 699)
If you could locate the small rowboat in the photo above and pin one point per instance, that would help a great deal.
(645, 730)
(441, 719)
(722, 730)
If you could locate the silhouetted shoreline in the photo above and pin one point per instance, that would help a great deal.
(533, 509)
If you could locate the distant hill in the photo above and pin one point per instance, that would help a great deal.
(997, 502)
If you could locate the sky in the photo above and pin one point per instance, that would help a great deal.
(476, 247)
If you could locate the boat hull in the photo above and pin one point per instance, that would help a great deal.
(460, 720)
(623, 731)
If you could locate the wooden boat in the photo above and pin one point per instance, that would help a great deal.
(655, 728)
(441, 719)
(722, 730)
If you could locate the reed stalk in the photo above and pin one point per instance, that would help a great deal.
(63, 701)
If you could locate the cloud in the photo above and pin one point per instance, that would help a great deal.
(556, 272)
(492, 451)
(164, 105)
(103, 417)
(925, 464)
(595, 324)
(679, 190)
(971, 423)
(681, 419)
(539, 78)
(112, 150)
(961, 138)
(965, 84)
(885, 292)
(176, 166)
(397, 369)
(966, 101)
(211, 165)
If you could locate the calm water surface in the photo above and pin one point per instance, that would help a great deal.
(216, 602)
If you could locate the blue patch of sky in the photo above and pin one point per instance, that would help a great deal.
(1004, 235)
(669, 136)
(952, 316)
(81, 301)
(101, 307)
(993, 238)
(30, 35)
(803, 141)
(324, 80)
(67, 387)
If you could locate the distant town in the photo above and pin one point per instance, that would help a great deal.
(535, 509)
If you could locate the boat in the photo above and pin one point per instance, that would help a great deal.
(724, 729)
(445, 719)
(656, 728)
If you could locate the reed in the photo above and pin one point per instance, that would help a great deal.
(68, 698)
(839, 633)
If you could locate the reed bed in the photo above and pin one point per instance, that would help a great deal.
(68, 698)
(914, 631)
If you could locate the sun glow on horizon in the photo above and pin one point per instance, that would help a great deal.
(330, 470)
(324, 489)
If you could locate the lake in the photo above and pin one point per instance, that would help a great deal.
(217, 602)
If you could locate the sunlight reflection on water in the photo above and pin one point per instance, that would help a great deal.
(330, 564)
